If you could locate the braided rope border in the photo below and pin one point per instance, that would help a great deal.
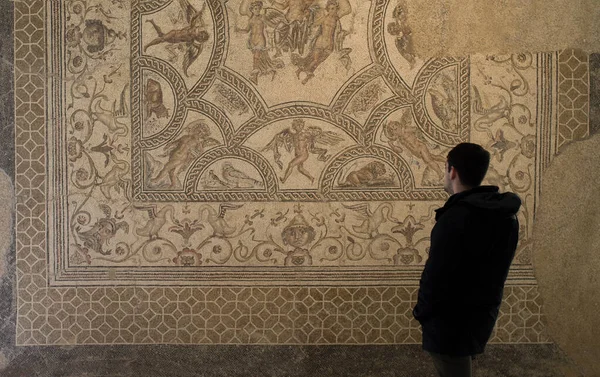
(423, 119)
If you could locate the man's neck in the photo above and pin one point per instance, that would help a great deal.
(458, 187)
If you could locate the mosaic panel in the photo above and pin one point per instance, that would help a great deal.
(163, 179)
(160, 148)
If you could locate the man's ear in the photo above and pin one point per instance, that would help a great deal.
(453, 173)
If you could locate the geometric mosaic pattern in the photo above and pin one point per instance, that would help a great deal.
(520, 318)
(573, 96)
(381, 314)
(375, 315)
(30, 123)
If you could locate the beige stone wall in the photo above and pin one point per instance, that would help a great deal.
(460, 27)
(566, 253)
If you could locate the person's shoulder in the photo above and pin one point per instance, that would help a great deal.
(458, 210)
(456, 216)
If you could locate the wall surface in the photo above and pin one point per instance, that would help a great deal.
(566, 254)
(459, 27)
(203, 174)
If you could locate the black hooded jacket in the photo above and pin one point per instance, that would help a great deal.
(472, 246)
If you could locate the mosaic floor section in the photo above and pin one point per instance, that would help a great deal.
(258, 172)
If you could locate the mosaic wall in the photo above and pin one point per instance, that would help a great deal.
(258, 172)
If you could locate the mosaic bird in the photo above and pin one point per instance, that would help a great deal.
(237, 178)
(372, 219)
(217, 219)
(156, 221)
(213, 180)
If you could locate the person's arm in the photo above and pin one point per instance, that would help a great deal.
(440, 272)
(344, 8)
(245, 8)
(396, 148)
(244, 11)
(279, 6)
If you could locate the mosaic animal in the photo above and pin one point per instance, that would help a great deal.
(237, 178)
(368, 175)
(157, 219)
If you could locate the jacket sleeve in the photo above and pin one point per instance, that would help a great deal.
(439, 276)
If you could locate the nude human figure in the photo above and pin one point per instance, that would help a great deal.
(186, 34)
(184, 150)
(303, 142)
(324, 44)
(262, 63)
(404, 133)
(194, 35)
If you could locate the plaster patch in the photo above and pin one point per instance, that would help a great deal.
(566, 256)
(461, 27)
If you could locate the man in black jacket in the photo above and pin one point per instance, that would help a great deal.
(472, 246)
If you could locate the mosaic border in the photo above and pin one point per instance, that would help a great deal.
(296, 315)
(573, 97)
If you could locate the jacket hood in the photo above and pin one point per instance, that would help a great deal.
(487, 198)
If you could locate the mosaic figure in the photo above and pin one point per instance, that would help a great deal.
(372, 174)
(303, 142)
(194, 35)
(298, 234)
(326, 41)
(182, 151)
(299, 15)
(399, 28)
(153, 100)
(260, 18)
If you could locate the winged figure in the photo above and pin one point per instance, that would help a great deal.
(405, 134)
(371, 220)
(182, 151)
(303, 141)
(194, 35)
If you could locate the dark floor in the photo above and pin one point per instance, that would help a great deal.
(173, 361)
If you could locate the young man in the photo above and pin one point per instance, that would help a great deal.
(472, 246)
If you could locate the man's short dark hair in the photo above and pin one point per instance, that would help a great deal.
(471, 162)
